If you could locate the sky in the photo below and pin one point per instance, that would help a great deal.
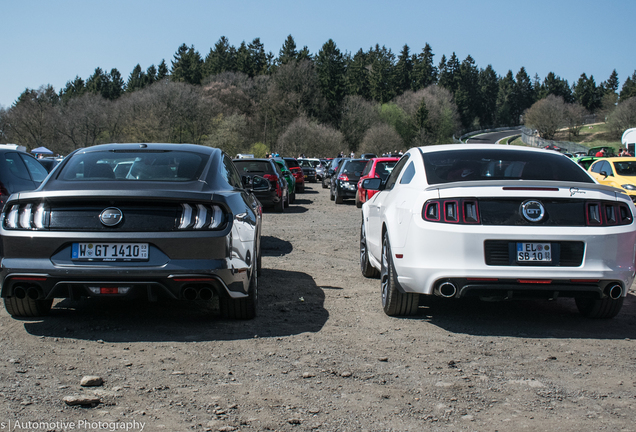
(53, 41)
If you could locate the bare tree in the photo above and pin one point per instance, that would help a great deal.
(381, 139)
(623, 117)
(546, 116)
(574, 116)
(309, 138)
(358, 116)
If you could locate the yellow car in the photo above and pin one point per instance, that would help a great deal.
(619, 172)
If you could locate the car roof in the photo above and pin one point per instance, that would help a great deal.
(150, 146)
(446, 147)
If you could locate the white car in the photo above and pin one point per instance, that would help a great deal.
(497, 222)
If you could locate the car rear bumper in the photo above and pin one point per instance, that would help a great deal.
(429, 257)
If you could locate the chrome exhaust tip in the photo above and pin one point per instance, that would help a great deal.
(614, 291)
(447, 290)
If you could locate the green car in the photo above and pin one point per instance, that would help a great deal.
(291, 181)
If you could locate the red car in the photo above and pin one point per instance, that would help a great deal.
(376, 168)
(297, 171)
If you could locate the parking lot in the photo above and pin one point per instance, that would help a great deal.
(322, 355)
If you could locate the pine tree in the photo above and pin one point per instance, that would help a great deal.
(523, 93)
(96, 83)
(488, 89)
(260, 59)
(72, 89)
(424, 71)
(357, 75)
(151, 75)
(586, 93)
(162, 71)
(421, 117)
(381, 75)
(505, 115)
(403, 71)
(221, 58)
(466, 93)
(330, 67)
(136, 79)
(115, 87)
(629, 88)
(187, 65)
(288, 51)
(552, 84)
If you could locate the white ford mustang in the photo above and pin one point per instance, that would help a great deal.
(496, 221)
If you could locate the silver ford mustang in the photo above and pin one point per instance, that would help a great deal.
(172, 221)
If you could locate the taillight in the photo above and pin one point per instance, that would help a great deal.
(274, 181)
(26, 217)
(463, 211)
(343, 177)
(602, 213)
(200, 216)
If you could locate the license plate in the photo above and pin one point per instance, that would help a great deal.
(110, 251)
(534, 252)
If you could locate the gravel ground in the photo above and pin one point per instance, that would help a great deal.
(320, 356)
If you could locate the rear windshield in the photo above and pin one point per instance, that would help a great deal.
(354, 167)
(466, 165)
(291, 162)
(259, 167)
(173, 166)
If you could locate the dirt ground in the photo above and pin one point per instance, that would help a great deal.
(321, 355)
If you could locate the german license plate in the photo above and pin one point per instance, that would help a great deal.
(534, 252)
(110, 251)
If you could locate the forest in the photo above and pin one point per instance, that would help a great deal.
(247, 100)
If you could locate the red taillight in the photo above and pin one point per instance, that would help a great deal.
(463, 211)
(534, 281)
(607, 214)
(343, 177)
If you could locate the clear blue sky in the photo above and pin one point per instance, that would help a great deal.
(50, 42)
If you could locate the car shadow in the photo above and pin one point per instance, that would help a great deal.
(289, 303)
(526, 318)
(273, 246)
(296, 208)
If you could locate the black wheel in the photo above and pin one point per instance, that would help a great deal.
(331, 197)
(599, 308)
(280, 205)
(27, 307)
(244, 308)
(301, 189)
(367, 269)
(324, 184)
(339, 199)
(287, 201)
(292, 198)
(394, 302)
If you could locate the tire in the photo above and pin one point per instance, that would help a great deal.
(27, 307)
(244, 308)
(331, 197)
(280, 205)
(358, 203)
(292, 198)
(287, 201)
(301, 189)
(339, 199)
(394, 302)
(599, 308)
(324, 184)
(366, 268)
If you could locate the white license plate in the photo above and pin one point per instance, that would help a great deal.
(534, 252)
(110, 251)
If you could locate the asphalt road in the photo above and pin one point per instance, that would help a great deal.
(492, 137)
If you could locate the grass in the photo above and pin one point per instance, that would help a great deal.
(593, 135)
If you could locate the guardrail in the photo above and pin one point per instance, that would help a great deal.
(464, 137)
(529, 138)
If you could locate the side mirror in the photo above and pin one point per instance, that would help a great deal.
(604, 174)
(374, 184)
